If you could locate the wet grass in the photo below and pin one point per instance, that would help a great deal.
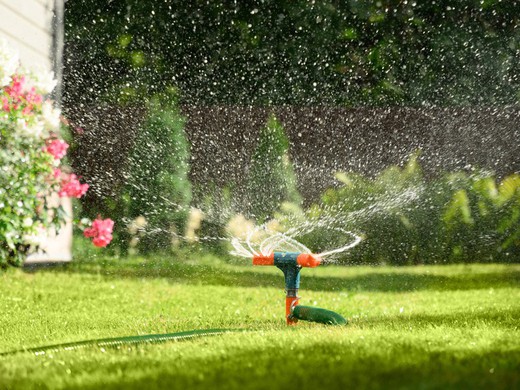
(411, 327)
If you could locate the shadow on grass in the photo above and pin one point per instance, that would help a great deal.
(506, 318)
(327, 365)
(178, 272)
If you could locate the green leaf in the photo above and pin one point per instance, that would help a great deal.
(458, 209)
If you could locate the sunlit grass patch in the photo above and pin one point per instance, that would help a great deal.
(431, 327)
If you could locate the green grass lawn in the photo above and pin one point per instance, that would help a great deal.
(411, 327)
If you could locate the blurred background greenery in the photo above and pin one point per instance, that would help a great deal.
(149, 60)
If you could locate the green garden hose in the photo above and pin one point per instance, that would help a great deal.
(127, 340)
(299, 312)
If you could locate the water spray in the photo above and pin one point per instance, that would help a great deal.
(283, 251)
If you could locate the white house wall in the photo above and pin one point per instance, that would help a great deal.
(27, 25)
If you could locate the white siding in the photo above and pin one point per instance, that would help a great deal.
(26, 24)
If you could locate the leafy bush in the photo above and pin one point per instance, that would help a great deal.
(217, 207)
(158, 188)
(407, 219)
(271, 178)
(483, 219)
(31, 154)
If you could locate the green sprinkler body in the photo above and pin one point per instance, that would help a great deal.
(291, 263)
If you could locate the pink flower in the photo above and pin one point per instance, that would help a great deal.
(57, 173)
(5, 104)
(90, 232)
(15, 90)
(57, 148)
(33, 97)
(71, 187)
(101, 232)
(27, 109)
(102, 241)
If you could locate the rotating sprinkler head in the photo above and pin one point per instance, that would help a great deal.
(285, 252)
(291, 263)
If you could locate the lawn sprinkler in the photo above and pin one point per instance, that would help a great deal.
(291, 263)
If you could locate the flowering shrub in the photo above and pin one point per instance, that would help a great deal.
(100, 232)
(31, 154)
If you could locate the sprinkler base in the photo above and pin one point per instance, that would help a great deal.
(316, 314)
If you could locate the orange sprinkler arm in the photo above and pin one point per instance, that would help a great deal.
(277, 258)
(308, 260)
(263, 260)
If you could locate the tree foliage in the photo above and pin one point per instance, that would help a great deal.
(271, 178)
(296, 52)
(158, 188)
